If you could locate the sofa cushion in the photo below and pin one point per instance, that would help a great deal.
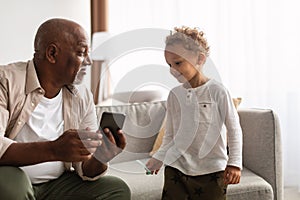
(142, 186)
(142, 124)
(149, 187)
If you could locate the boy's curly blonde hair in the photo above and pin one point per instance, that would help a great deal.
(191, 38)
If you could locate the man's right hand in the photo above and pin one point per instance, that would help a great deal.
(71, 146)
(76, 145)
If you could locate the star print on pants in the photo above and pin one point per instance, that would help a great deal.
(198, 191)
(175, 179)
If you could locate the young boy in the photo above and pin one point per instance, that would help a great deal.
(195, 141)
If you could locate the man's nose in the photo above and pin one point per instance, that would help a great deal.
(87, 60)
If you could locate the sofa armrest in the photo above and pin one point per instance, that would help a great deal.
(262, 151)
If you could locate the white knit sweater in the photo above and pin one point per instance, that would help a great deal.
(195, 140)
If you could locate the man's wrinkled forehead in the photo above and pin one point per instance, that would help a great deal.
(77, 37)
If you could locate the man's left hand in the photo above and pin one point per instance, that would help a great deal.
(109, 148)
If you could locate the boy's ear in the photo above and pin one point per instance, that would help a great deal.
(51, 53)
(201, 59)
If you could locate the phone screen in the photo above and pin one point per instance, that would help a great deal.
(114, 122)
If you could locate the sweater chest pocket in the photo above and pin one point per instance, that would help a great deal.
(204, 112)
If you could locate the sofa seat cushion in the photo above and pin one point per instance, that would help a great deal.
(142, 186)
(251, 187)
(149, 187)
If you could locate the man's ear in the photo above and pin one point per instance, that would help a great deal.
(201, 59)
(51, 53)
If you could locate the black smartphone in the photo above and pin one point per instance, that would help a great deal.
(114, 122)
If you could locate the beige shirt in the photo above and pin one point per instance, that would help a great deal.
(21, 92)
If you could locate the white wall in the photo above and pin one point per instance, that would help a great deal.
(19, 21)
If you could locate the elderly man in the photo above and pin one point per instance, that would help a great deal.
(49, 144)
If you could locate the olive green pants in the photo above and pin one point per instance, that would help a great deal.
(15, 185)
(179, 186)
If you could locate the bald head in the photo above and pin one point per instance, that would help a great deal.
(54, 31)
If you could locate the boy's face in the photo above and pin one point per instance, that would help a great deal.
(182, 62)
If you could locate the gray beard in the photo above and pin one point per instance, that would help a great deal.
(78, 79)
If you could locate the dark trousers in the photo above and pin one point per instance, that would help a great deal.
(15, 185)
(178, 186)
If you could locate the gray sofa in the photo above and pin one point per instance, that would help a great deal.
(262, 157)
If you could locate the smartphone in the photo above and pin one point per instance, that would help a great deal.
(114, 122)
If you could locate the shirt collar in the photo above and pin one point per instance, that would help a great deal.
(32, 81)
(72, 89)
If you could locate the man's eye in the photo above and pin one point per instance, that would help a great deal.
(81, 53)
(178, 63)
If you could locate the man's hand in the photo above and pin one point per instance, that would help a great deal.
(154, 165)
(232, 175)
(109, 149)
(71, 146)
(75, 145)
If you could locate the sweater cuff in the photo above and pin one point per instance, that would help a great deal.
(235, 163)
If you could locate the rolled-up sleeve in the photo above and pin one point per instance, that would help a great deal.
(4, 144)
(78, 167)
(88, 119)
(4, 114)
(4, 141)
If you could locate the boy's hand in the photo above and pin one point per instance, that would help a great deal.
(154, 165)
(232, 175)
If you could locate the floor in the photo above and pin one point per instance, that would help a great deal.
(291, 193)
